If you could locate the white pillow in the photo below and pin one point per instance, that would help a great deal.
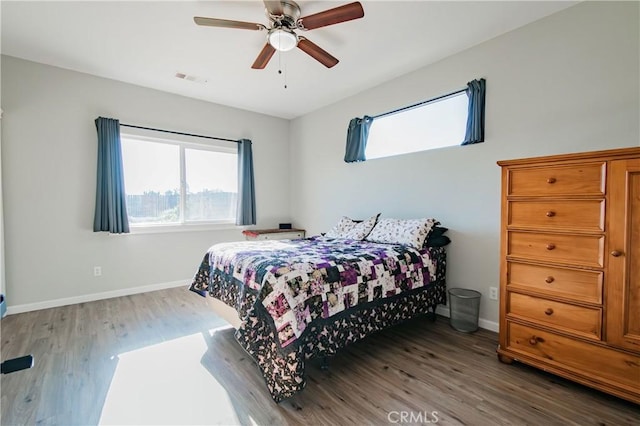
(412, 232)
(352, 230)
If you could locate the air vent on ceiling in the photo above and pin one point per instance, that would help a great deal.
(193, 78)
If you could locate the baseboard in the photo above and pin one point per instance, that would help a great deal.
(482, 323)
(27, 307)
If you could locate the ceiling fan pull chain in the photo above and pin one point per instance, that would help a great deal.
(285, 74)
(280, 68)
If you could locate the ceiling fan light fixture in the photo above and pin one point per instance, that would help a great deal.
(282, 39)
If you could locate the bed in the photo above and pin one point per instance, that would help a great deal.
(293, 300)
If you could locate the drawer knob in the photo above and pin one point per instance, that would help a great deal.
(549, 311)
(551, 213)
(535, 339)
(616, 253)
(549, 279)
(551, 246)
(551, 180)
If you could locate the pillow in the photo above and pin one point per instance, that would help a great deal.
(437, 241)
(438, 231)
(412, 232)
(352, 229)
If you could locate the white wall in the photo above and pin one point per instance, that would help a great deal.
(567, 83)
(49, 172)
(2, 283)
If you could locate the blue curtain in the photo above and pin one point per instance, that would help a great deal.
(357, 135)
(246, 214)
(111, 208)
(475, 118)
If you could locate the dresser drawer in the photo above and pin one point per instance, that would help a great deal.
(575, 319)
(582, 250)
(582, 215)
(579, 179)
(575, 355)
(575, 284)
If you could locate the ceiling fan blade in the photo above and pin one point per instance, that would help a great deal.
(225, 23)
(263, 58)
(273, 7)
(316, 52)
(333, 16)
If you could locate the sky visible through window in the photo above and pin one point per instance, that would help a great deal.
(215, 171)
(152, 166)
(434, 125)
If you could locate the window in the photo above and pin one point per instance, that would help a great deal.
(173, 182)
(428, 126)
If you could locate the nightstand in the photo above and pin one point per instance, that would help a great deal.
(273, 234)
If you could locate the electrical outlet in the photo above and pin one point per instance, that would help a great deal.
(493, 293)
(97, 271)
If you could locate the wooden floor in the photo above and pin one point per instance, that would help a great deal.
(165, 358)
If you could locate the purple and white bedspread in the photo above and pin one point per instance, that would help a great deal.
(299, 299)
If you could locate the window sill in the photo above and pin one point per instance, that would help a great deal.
(190, 227)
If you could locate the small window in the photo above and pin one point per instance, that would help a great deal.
(171, 182)
(432, 125)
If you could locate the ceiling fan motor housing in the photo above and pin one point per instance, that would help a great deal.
(289, 17)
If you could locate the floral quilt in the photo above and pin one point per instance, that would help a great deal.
(299, 299)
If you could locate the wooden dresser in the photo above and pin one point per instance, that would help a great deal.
(570, 267)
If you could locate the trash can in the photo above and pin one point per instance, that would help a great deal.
(464, 308)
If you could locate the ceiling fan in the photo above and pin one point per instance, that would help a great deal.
(284, 19)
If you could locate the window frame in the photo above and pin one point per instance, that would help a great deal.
(183, 142)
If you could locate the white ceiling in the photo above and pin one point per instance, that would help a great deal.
(148, 42)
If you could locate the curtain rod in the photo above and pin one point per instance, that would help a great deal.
(419, 103)
(179, 133)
